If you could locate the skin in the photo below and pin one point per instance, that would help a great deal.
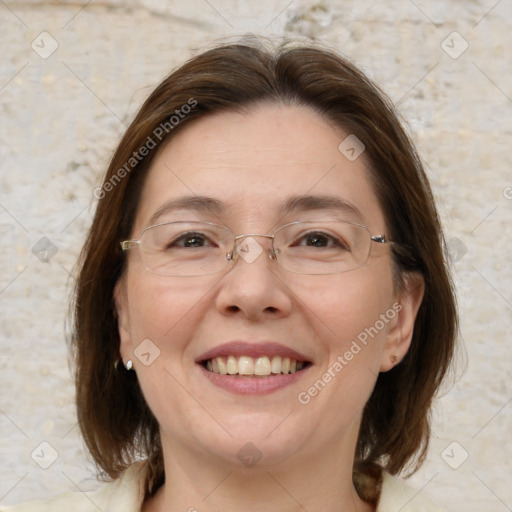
(253, 162)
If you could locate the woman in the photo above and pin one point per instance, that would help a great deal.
(263, 314)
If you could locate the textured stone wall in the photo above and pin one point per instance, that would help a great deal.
(72, 74)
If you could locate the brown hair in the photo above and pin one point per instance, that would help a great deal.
(116, 423)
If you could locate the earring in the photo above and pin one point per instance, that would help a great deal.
(128, 366)
(394, 359)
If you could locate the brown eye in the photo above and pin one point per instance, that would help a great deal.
(321, 240)
(191, 240)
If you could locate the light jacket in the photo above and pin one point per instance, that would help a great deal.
(127, 494)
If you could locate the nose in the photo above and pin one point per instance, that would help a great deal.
(254, 287)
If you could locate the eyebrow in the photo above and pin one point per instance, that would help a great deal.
(201, 204)
(303, 203)
(293, 204)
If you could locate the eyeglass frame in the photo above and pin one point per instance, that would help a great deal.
(128, 244)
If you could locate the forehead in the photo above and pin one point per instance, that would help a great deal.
(255, 162)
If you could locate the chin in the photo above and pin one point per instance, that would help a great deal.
(265, 442)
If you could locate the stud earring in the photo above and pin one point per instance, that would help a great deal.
(394, 359)
(129, 365)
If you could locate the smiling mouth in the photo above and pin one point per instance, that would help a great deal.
(246, 366)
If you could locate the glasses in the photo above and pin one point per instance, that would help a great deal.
(315, 247)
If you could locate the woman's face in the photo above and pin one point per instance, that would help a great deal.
(343, 328)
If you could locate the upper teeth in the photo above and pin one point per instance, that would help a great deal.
(245, 365)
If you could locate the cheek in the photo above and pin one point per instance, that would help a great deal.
(167, 312)
(164, 310)
(347, 305)
(346, 318)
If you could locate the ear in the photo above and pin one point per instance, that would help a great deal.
(399, 337)
(121, 307)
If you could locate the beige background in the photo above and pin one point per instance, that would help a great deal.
(62, 114)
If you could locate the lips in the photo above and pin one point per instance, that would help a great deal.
(252, 368)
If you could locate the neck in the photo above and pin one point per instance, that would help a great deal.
(198, 483)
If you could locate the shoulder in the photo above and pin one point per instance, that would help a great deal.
(123, 495)
(397, 495)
